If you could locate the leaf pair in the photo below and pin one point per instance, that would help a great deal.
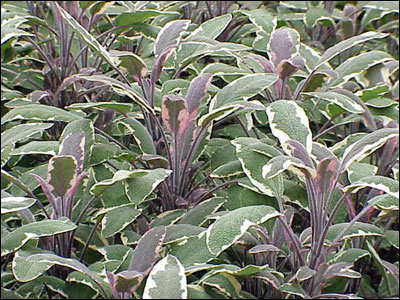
(64, 173)
(177, 112)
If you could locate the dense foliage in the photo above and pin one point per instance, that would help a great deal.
(199, 149)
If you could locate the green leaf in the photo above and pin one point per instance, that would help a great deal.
(198, 214)
(293, 289)
(40, 112)
(339, 99)
(304, 273)
(166, 280)
(118, 218)
(356, 230)
(386, 184)
(85, 35)
(115, 106)
(192, 251)
(168, 217)
(346, 44)
(366, 145)
(121, 89)
(231, 226)
(356, 171)
(315, 14)
(224, 284)
(20, 236)
(140, 134)
(358, 64)
(13, 204)
(177, 233)
(170, 35)
(242, 89)
(144, 180)
(20, 132)
(385, 202)
(141, 184)
(139, 16)
(134, 64)
(37, 147)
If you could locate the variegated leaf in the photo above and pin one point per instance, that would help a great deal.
(253, 155)
(242, 89)
(85, 35)
(346, 44)
(197, 90)
(224, 284)
(40, 112)
(358, 64)
(339, 99)
(146, 251)
(280, 164)
(133, 63)
(170, 35)
(37, 147)
(115, 106)
(140, 183)
(140, 134)
(20, 236)
(222, 112)
(366, 145)
(121, 89)
(231, 226)
(288, 121)
(72, 264)
(198, 214)
(117, 219)
(382, 183)
(61, 174)
(280, 45)
(13, 204)
(25, 270)
(166, 280)
(192, 251)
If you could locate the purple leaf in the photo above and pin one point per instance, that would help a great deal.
(326, 174)
(287, 68)
(127, 281)
(300, 152)
(159, 64)
(174, 114)
(197, 90)
(146, 251)
(280, 45)
(47, 191)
